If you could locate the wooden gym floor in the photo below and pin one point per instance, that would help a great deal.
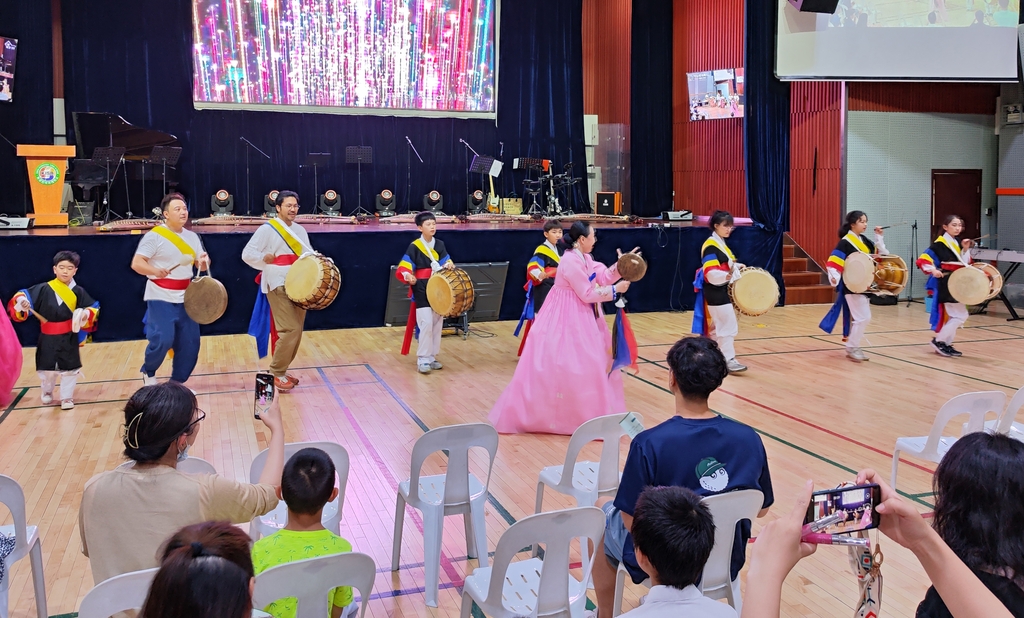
(820, 416)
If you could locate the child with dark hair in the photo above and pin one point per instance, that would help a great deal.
(673, 534)
(67, 314)
(425, 256)
(540, 275)
(306, 486)
(718, 269)
(941, 259)
(696, 449)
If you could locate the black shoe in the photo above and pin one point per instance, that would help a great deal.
(953, 351)
(940, 348)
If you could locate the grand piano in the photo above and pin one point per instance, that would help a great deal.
(138, 182)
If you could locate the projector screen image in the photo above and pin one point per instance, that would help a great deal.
(393, 57)
(8, 54)
(963, 40)
(715, 94)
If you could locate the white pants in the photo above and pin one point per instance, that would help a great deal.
(724, 329)
(68, 380)
(860, 316)
(430, 325)
(957, 314)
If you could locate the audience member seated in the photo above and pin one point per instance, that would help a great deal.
(673, 534)
(696, 449)
(306, 486)
(127, 513)
(205, 572)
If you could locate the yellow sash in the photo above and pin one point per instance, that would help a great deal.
(547, 252)
(289, 238)
(952, 247)
(720, 245)
(64, 292)
(430, 253)
(857, 242)
(176, 240)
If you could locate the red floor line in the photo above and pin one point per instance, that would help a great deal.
(825, 430)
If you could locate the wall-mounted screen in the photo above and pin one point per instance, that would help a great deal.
(387, 57)
(715, 94)
(8, 55)
(894, 40)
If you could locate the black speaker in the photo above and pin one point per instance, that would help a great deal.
(815, 6)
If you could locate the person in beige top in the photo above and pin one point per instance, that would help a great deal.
(128, 513)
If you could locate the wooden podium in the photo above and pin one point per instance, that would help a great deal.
(47, 165)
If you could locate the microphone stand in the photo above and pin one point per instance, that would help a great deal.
(408, 167)
(913, 256)
(248, 187)
(469, 149)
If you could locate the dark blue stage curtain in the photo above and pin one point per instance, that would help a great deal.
(28, 119)
(651, 108)
(133, 58)
(766, 136)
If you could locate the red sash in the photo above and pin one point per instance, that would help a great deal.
(55, 328)
(281, 260)
(410, 325)
(172, 284)
(423, 273)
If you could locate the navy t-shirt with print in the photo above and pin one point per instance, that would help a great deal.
(709, 456)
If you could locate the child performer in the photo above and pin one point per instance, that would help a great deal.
(425, 256)
(718, 268)
(66, 314)
(939, 260)
(855, 306)
(540, 275)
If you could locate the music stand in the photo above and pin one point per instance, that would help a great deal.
(359, 155)
(315, 160)
(165, 155)
(105, 156)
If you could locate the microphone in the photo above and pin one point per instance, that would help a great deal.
(502, 149)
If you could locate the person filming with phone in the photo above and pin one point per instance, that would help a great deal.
(127, 513)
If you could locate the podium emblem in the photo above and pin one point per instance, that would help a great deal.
(47, 174)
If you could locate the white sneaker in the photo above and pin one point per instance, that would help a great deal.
(436, 365)
(46, 398)
(856, 355)
(67, 404)
(735, 367)
(424, 367)
(148, 381)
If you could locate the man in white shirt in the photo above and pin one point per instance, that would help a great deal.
(166, 255)
(272, 250)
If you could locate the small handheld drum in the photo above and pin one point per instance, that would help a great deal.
(973, 285)
(450, 292)
(755, 292)
(206, 299)
(313, 282)
(631, 267)
(858, 272)
(890, 275)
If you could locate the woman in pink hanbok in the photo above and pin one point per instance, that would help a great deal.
(562, 378)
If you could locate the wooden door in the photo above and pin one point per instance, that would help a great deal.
(956, 192)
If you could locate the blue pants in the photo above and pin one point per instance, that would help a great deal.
(168, 327)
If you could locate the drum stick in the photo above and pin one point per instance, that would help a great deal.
(41, 319)
(981, 237)
(885, 227)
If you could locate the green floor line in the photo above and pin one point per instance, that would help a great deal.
(13, 405)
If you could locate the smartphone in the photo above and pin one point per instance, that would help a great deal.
(844, 510)
(264, 393)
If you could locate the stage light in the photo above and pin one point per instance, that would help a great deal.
(433, 201)
(222, 203)
(385, 203)
(330, 202)
(268, 203)
(475, 202)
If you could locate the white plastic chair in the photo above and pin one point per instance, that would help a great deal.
(195, 465)
(727, 510)
(933, 447)
(536, 587)
(26, 543)
(1006, 423)
(311, 581)
(456, 491)
(268, 524)
(117, 594)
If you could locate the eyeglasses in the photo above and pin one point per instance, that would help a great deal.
(189, 428)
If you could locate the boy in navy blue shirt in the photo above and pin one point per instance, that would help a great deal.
(696, 449)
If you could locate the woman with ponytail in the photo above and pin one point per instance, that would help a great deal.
(718, 268)
(944, 257)
(563, 377)
(855, 308)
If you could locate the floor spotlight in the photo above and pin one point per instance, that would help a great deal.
(268, 203)
(475, 202)
(433, 201)
(222, 203)
(385, 203)
(330, 203)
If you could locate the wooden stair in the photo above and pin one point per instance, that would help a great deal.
(806, 283)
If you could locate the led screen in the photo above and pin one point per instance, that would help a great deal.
(8, 54)
(716, 94)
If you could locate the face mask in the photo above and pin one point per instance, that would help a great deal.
(183, 455)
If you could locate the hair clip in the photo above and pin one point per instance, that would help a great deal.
(126, 438)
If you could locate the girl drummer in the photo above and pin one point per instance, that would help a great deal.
(940, 259)
(856, 308)
(718, 268)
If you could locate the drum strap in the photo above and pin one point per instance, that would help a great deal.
(64, 293)
(176, 240)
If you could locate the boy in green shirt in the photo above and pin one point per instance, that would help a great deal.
(306, 486)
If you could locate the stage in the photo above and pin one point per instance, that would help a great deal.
(365, 254)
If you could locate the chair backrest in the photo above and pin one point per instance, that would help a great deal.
(310, 581)
(976, 405)
(456, 440)
(335, 451)
(609, 431)
(1012, 408)
(195, 465)
(555, 530)
(13, 497)
(117, 594)
(727, 509)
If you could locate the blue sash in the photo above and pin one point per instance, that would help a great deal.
(699, 315)
(828, 323)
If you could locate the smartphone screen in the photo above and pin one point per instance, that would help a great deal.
(844, 510)
(264, 392)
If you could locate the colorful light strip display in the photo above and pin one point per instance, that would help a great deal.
(371, 56)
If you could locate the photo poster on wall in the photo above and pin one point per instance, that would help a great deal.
(384, 57)
(899, 40)
(8, 56)
(716, 94)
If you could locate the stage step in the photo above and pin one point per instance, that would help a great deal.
(794, 265)
(810, 295)
(804, 278)
(788, 251)
(805, 281)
